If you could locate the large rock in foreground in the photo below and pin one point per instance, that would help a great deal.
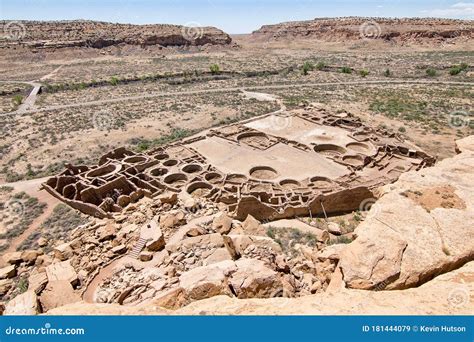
(421, 227)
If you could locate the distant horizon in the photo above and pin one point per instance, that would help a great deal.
(231, 16)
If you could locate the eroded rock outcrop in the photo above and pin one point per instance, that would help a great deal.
(402, 31)
(421, 227)
(94, 34)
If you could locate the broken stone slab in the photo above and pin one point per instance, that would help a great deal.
(13, 258)
(208, 240)
(58, 293)
(23, 304)
(172, 219)
(63, 251)
(5, 286)
(29, 256)
(106, 232)
(241, 242)
(252, 226)
(8, 272)
(170, 299)
(146, 256)
(220, 254)
(334, 228)
(168, 197)
(253, 279)
(222, 224)
(37, 282)
(62, 271)
(120, 249)
(207, 281)
(154, 236)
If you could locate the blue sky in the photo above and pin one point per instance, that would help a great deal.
(233, 16)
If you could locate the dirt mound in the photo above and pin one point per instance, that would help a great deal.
(400, 31)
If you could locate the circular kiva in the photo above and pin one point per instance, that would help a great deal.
(236, 178)
(104, 171)
(355, 160)
(199, 189)
(289, 184)
(213, 177)
(170, 162)
(358, 147)
(176, 179)
(320, 182)
(263, 172)
(135, 159)
(192, 168)
(161, 156)
(330, 149)
(253, 137)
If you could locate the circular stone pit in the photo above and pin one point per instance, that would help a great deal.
(263, 172)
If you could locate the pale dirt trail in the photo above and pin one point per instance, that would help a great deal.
(32, 188)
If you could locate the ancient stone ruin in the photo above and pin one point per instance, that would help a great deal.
(307, 163)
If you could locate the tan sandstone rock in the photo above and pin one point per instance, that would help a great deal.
(62, 271)
(254, 280)
(407, 240)
(23, 304)
(207, 281)
(58, 293)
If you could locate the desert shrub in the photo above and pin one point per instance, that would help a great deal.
(402, 129)
(387, 73)
(307, 66)
(346, 70)
(114, 81)
(214, 69)
(17, 100)
(321, 65)
(456, 69)
(363, 72)
(431, 72)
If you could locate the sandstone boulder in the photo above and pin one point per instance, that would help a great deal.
(13, 258)
(106, 232)
(222, 224)
(5, 286)
(63, 251)
(252, 226)
(58, 293)
(253, 279)
(29, 256)
(62, 271)
(23, 304)
(152, 232)
(207, 281)
(37, 282)
(8, 272)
